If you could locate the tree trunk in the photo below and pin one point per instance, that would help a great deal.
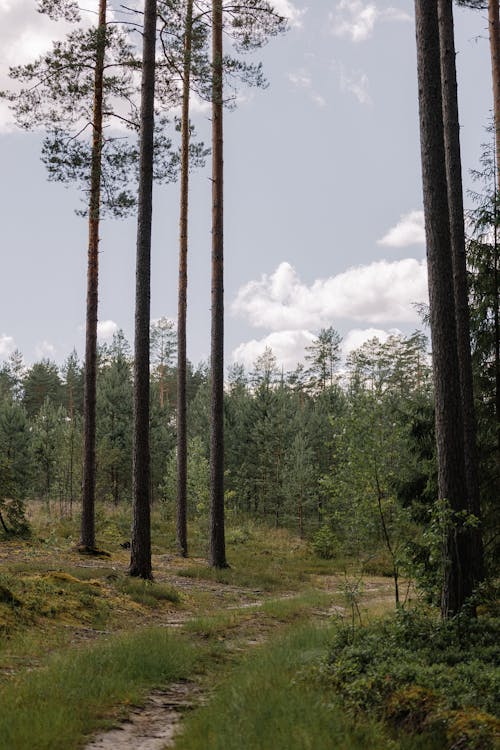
(182, 543)
(457, 580)
(460, 285)
(87, 532)
(217, 542)
(494, 31)
(140, 562)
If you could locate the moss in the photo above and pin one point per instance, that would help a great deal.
(412, 708)
(473, 730)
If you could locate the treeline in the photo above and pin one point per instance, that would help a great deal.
(343, 452)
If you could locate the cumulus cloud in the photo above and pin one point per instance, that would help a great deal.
(375, 293)
(410, 230)
(356, 19)
(45, 350)
(288, 348)
(7, 345)
(356, 337)
(106, 329)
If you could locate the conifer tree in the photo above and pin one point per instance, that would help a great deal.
(459, 263)
(72, 91)
(140, 562)
(458, 581)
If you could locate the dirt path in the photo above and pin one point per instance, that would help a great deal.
(154, 725)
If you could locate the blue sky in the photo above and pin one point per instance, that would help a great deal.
(323, 222)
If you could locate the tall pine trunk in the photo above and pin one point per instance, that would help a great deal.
(494, 26)
(457, 581)
(140, 562)
(460, 285)
(494, 32)
(87, 533)
(217, 541)
(182, 542)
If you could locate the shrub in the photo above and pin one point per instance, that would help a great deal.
(421, 674)
(324, 543)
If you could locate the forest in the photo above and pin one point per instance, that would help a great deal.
(216, 555)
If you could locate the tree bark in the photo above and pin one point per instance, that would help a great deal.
(457, 581)
(140, 562)
(87, 533)
(217, 541)
(460, 284)
(494, 32)
(182, 543)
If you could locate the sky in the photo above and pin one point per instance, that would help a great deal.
(323, 197)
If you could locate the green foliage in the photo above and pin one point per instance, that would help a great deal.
(421, 674)
(41, 383)
(483, 260)
(324, 543)
(198, 480)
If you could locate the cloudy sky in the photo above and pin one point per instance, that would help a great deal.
(323, 207)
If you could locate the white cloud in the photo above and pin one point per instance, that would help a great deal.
(106, 329)
(356, 337)
(24, 35)
(410, 230)
(45, 350)
(288, 348)
(378, 292)
(289, 10)
(356, 19)
(356, 83)
(7, 345)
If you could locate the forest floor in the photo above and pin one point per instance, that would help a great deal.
(58, 607)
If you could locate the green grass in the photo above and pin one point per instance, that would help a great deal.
(270, 701)
(263, 559)
(295, 607)
(147, 592)
(54, 707)
(211, 626)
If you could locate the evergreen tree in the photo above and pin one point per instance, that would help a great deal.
(459, 264)
(140, 563)
(114, 407)
(323, 355)
(41, 383)
(458, 581)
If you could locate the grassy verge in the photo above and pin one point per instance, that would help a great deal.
(54, 707)
(269, 701)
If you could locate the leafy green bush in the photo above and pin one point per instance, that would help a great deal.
(324, 543)
(421, 674)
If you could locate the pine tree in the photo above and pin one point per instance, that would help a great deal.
(217, 537)
(140, 562)
(459, 263)
(458, 582)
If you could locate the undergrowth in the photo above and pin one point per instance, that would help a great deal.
(423, 676)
